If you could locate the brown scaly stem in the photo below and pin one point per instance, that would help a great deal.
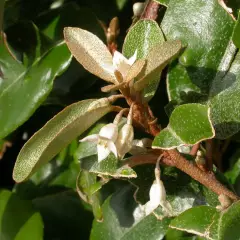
(145, 119)
(151, 10)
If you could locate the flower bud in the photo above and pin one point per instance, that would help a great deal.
(124, 140)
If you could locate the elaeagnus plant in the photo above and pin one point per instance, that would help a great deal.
(171, 181)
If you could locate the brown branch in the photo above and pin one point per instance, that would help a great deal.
(144, 118)
(175, 159)
(151, 10)
(194, 149)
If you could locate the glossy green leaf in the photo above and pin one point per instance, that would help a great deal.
(142, 37)
(207, 37)
(229, 223)
(121, 222)
(53, 22)
(202, 221)
(189, 124)
(57, 134)
(23, 90)
(86, 181)
(64, 216)
(26, 36)
(109, 167)
(236, 32)
(163, 2)
(225, 101)
(18, 219)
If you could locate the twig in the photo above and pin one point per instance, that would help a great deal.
(194, 149)
(151, 10)
(209, 154)
(175, 159)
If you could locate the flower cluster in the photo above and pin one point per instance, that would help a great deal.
(110, 140)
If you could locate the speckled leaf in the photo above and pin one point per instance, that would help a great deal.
(236, 32)
(229, 223)
(163, 2)
(206, 28)
(121, 222)
(157, 59)
(202, 221)
(90, 52)
(143, 36)
(57, 134)
(22, 90)
(225, 101)
(109, 167)
(27, 223)
(189, 124)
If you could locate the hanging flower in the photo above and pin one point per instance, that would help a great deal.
(157, 194)
(105, 141)
(125, 137)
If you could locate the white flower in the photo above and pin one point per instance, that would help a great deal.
(157, 194)
(105, 141)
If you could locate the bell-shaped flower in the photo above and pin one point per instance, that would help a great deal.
(157, 194)
(125, 136)
(95, 57)
(105, 141)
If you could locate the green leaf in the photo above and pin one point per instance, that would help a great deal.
(109, 167)
(202, 221)
(236, 32)
(53, 22)
(225, 101)
(30, 40)
(85, 183)
(163, 2)
(143, 36)
(189, 124)
(57, 134)
(206, 44)
(64, 216)
(120, 222)
(229, 223)
(25, 225)
(23, 90)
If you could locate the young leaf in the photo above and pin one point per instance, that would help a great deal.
(202, 221)
(57, 134)
(23, 90)
(90, 52)
(157, 59)
(189, 124)
(143, 36)
(27, 223)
